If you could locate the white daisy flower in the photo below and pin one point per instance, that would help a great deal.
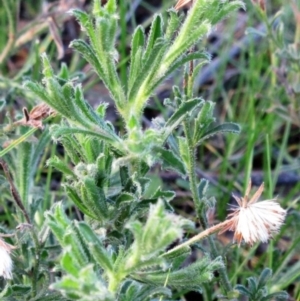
(251, 221)
(254, 221)
(5, 259)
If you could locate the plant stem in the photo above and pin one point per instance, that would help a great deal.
(193, 186)
(201, 235)
(200, 205)
(14, 191)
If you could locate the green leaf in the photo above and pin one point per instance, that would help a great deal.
(85, 108)
(95, 198)
(201, 271)
(223, 128)
(72, 148)
(184, 109)
(42, 94)
(158, 233)
(58, 222)
(125, 197)
(56, 229)
(77, 248)
(173, 24)
(64, 73)
(154, 63)
(202, 188)
(227, 8)
(184, 151)
(87, 286)
(145, 72)
(138, 41)
(68, 263)
(156, 32)
(252, 285)
(184, 42)
(243, 290)
(111, 6)
(85, 21)
(279, 296)
(172, 255)
(47, 69)
(58, 131)
(203, 120)
(60, 165)
(101, 109)
(170, 159)
(133, 290)
(51, 296)
(60, 216)
(141, 184)
(182, 60)
(16, 290)
(137, 45)
(89, 54)
(264, 277)
(72, 194)
(166, 195)
(96, 247)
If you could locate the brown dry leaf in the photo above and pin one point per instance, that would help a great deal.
(36, 116)
(181, 3)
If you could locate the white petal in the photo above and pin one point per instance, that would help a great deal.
(5, 264)
(259, 221)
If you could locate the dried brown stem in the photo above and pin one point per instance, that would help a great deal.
(201, 235)
(14, 191)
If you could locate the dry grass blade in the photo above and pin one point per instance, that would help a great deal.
(56, 37)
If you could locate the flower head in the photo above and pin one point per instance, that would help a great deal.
(5, 260)
(254, 221)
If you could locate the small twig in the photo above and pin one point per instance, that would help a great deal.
(14, 191)
(7, 234)
(207, 232)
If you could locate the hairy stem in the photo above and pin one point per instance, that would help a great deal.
(200, 236)
(193, 186)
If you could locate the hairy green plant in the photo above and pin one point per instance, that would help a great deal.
(257, 289)
(120, 248)
(32, 266)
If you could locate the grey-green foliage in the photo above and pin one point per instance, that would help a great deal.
(23, 163)
(257, 288)
(114, 253)
(95, 265)
(31, 271)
